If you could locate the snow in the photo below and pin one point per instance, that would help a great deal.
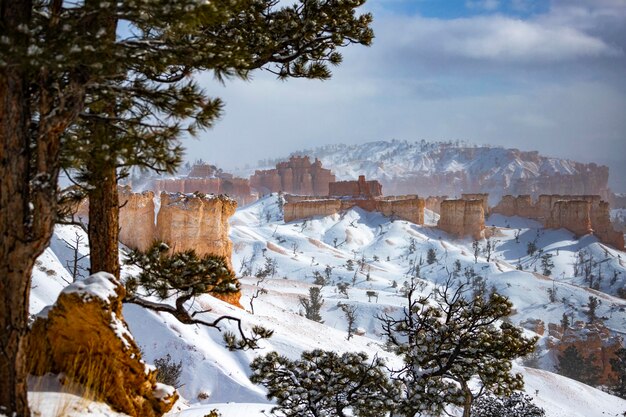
(215, 378)
(100, 285)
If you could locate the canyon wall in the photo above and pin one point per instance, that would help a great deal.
(360, 188)
(196, 222)
(483, 197)
(462, 218)
(581, 214)
(236, 188)
(409, 209)
(433, 203)
(137, 226)
(296, 176)
(572, 215)
(589, 339)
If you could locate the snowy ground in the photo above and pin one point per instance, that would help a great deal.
(383, 254)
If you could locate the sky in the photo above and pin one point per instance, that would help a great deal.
(546, 75)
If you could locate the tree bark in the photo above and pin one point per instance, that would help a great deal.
(16, 254)
(104, 222)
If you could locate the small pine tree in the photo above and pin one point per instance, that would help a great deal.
(565, 323)
(592, 306)
(546, 264)
(476, 247)
(323, 383)
(350, 313)
(431, 256)
(350, 265)
(313, 305)
(168, 371)
(531, 248)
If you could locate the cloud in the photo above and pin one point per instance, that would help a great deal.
(488, 5)
(497, 39)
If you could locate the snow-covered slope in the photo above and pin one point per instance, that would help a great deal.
(373, 256)
(451, 168)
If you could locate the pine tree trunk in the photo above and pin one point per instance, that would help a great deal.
(104, 222)
(16, 260)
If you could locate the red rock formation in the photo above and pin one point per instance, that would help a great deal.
(588, 338)
(462, 218)
(581, 214)
(572, 215)
(196, 222)
(483, 197)
(603, 228)
(310, 208)
(433, 203)
(137, 225)
(85, 337)
(360, 188)
(296, 176)
(408, 208)
(516, 206)
(208, 179)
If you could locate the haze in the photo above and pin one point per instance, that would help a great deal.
(531, 74)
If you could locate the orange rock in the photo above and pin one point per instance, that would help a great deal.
(581, 214)
(196, 222)
(462, 218)
(433, 203)
(137, 226)
(483, 197)
(360, 188)
(572, 215)
(591, 338)
(296, 176)
(85, 337)
(310, 208)
(410, 208)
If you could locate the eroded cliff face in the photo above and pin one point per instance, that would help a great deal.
(236, 188)
(410, 208)
(483, 197)
(137, 225)
(462, 218)
(84, 336)
(360, 188)
(573, 215)
(196, 222)
(433, 203)
(296, 176)
(589, 339)
(304, 209)
(581, 214)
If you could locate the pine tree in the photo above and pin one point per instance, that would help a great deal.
(446, 340)
(184, 276)
(138, 120)
(313, 304)
(431, 256)
(65, 62)
(546, 264)
(322, 383)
